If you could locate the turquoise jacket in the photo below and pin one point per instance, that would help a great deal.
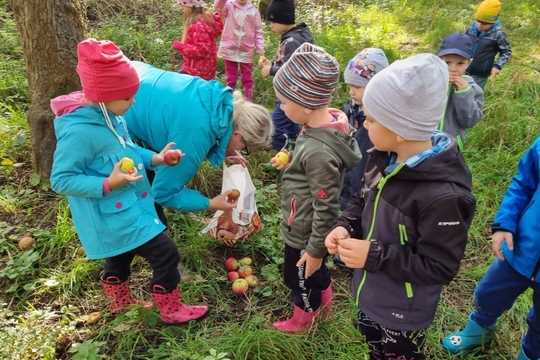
(108, 224)
(195, 114)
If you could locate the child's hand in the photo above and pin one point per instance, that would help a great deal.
(494, 72)
(119, 178)
(221, 202)
(353, 252)
(277, 164)
(458, 82)
(332, 240)
(312, 264)
(159, 159)
(263, 62)
(498, 238)
(265, 71)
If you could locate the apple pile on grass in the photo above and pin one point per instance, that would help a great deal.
(241, 274)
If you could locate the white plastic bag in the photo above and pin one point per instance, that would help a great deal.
(236, 225)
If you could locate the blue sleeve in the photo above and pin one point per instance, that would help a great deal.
(169, 186)
(68, 172)
(146, 156)
(504, 50)
(520, 192)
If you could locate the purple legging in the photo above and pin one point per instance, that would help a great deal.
(246, 71)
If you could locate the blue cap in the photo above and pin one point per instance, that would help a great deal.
(457, 44)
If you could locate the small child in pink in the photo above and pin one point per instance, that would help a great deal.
(242, 34)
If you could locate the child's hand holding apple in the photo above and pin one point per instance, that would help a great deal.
(122, 175)
(281, 160)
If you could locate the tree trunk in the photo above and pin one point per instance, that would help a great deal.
(50, 31)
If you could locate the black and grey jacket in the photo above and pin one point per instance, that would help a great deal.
(417, 220)
(290, 41)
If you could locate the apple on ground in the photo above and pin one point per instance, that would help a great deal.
(172, 157)
(233, 275)
(233, 196)
(127, 165)
(251, 280)
(245, 271)
(27, 243)
(240, 287)
(232, 264)
(245, 261)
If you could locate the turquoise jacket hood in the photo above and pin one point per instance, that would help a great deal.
(195, 114)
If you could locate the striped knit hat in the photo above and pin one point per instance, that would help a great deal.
(309, 77)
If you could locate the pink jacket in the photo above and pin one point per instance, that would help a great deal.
(243, 31)
(199, 50)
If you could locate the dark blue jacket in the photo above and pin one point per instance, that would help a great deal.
(519, 213)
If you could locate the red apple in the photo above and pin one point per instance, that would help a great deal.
(172, 157)
(233, 275)
(231, 264)
(245, 261)
(233, 196)
(245, 271)
(251, 280)
(240, 287)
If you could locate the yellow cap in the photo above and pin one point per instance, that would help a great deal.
(488, 11)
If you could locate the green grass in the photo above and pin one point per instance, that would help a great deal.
(47, 294)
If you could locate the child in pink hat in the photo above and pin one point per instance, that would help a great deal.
(199, 39)
(111, 204)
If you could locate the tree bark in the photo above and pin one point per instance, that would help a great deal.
(50, 31)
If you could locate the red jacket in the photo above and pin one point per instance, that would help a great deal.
(200, 49)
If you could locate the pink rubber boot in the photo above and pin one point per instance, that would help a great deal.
(119, 294)
(300, 321)
(326, 302)
(173, 311)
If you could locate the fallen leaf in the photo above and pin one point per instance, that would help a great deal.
(93, 318)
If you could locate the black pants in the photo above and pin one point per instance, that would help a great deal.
(150, 174)
(306, 294)
(160, 252)
(385, 343)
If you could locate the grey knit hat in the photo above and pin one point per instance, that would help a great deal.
(364, 66)
(309, 77)
(409, 96)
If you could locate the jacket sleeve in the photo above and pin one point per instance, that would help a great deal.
(504, 50)
(290, 48)
(443, 231)
(146, 156)
(259, 34)
(68, 172)
(198, 42)
(520, 192)
(468, 104)
(169, 186)
(324, 174)
(351, 219)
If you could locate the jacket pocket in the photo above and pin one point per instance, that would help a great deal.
(292, 214)
(120, 212)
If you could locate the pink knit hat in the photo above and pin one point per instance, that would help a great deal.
(106, 74)
(190, 3)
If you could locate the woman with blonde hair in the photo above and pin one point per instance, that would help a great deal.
(199, 39)
(205, 120)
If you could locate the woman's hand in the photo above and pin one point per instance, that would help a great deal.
(233, 156)
(221, 202)
(119, 178)
(159, 158)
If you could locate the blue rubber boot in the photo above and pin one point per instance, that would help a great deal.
(473, 336)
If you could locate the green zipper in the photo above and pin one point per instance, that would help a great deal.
(441, 123)
(380, 186)
(403, 238)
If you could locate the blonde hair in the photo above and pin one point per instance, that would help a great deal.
(252, 120)
(195, 15)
